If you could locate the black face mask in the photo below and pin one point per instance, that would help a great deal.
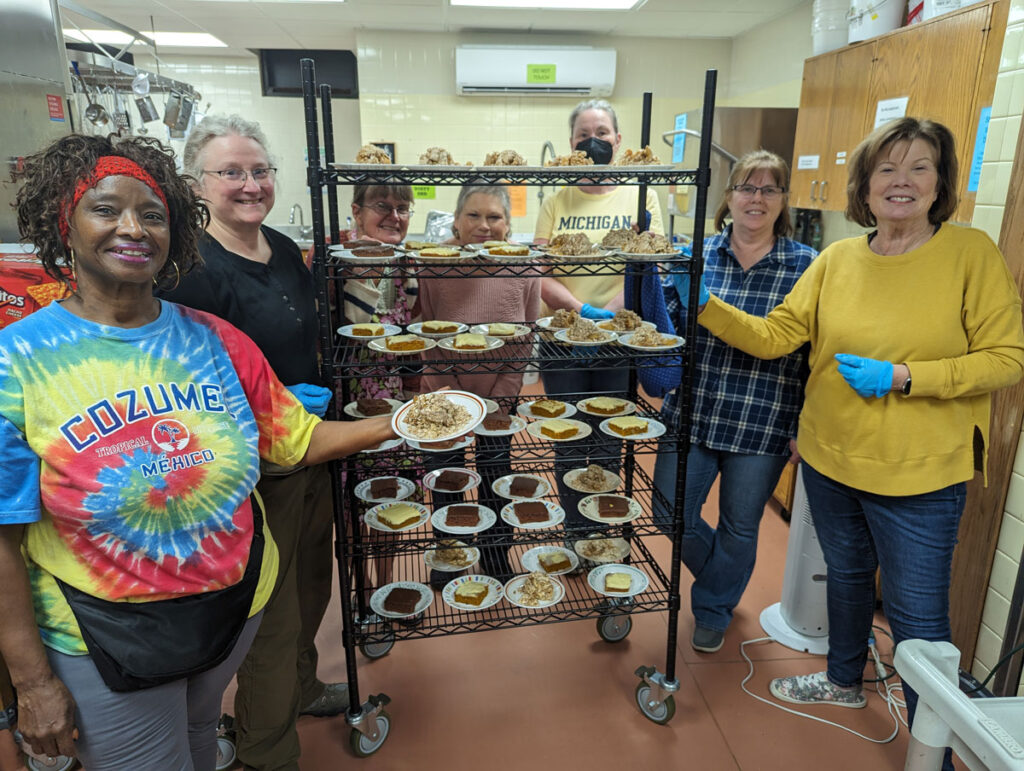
(598, 150)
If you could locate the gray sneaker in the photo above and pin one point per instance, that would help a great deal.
(706, 640)
(816, 689)
(333, 701)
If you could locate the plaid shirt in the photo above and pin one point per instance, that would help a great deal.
(743, 404)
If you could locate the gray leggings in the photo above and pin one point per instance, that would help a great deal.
(171, 727)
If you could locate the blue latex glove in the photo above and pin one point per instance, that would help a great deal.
(682, 283)
(868, 377)
(588, 311)
(314, 398)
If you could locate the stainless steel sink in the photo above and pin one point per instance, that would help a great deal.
(300, 234)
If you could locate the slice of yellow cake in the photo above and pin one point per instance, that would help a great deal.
(398, 515)
(617, 582)
(501, 330)
(558, 429)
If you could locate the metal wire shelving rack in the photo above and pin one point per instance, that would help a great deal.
(341, 363)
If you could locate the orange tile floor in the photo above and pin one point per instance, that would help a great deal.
(558, 697)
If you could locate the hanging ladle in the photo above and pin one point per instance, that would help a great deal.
(94, 113)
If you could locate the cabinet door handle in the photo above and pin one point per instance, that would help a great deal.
(814, 188)
(824, 189)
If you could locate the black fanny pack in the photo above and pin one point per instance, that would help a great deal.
(137, 645)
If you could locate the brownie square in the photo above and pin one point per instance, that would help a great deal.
(499, 421)
(384, 488)
(373, 406)
(531, 511)
(400, 600)
(451, 480)
(522, 487)
(612, 507)
(462, 516)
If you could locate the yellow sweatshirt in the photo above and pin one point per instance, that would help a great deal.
(949, 310)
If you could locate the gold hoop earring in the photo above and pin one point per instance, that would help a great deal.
(177, 277)
(74, 274)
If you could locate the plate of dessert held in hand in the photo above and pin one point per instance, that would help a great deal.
(472, 592)
(610, 509)
(532, 514)
(368, 330)
(647, 339)
(451, 480)
(401, 599)
(439, 416)
(541, 409)
(617, 580)
(516, 486)
(437, 329)
(401, 345)
(463, 518)
(585, 332)
(592, 479)
(606, 406)
(397, 516)
(559, 430)
(470, 342)
(632, 427)
(500, 424)
(553, 560)
(451, 556)
(536, 590)
(385, 489)
(369, 408)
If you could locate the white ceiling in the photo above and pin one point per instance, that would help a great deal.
(249, 24)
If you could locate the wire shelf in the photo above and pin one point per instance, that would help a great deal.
(358, 174)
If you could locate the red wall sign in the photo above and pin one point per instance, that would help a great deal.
(55, 104)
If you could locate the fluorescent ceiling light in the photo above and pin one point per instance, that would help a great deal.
(565, 5)
(118, 38)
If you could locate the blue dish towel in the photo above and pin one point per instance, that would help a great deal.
(661, 375)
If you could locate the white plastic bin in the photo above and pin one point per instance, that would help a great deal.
(829, 25)
(870, 18)
(987, 734)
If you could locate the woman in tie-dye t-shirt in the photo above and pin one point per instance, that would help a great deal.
(131, 431)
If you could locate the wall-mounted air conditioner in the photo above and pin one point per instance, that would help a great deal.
(534, 70)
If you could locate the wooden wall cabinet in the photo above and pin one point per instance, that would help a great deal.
(946, 67)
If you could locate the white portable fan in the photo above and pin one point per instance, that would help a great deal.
(800, 620)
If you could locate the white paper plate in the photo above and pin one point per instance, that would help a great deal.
(638, 579)
(378, 597)
(620, 546)
(492, 406)
(461, 444)
(514, 588)
(530, 559)
(376, 524)
(492, 343)
(555, 515)
(387, 444)
(459, 258)
(655, 429)
(525, 410)
(389, 329)
(562, 335)
(677, 342)
(352, 408)
(406, 487)
(599, 253)
(495, 591)
(472, 403)
(487, 518)
(604, 325)
(484, 329)
(531, 255)
(417, 329)
(647, 256)
(628, 408)
(350, 256)
(434, 563)
(588, 508)
(612, 481)
(379, 344)
(534, 430)
(430, 480)
(517, 425)
(500, 486)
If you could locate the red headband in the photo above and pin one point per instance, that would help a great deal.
(106, 166)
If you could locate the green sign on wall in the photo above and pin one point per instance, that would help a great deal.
(540, 73)
(424, 192)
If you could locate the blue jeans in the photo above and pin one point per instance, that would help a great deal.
(721, 559)
(912, 538)
(568, 385)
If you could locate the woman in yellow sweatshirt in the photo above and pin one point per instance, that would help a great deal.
(911, 328)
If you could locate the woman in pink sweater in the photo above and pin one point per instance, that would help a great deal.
(482, 214)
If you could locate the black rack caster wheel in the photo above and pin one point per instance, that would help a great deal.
(226, 752)
(376, 650)
(660, 713)
(614, 628)
(362, 746)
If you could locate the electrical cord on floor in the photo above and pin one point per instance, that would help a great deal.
(750, 674)
(995, 669)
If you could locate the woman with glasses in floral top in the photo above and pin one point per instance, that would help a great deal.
(744, 408)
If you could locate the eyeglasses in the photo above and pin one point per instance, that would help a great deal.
(238, 176)
(768, 191)
(383, 209)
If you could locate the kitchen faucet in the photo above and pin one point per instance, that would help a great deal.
(291, 215)
(550, 150)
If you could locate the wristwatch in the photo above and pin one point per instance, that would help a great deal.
(905, 388)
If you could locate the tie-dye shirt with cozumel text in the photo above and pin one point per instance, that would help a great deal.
(131, 455)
